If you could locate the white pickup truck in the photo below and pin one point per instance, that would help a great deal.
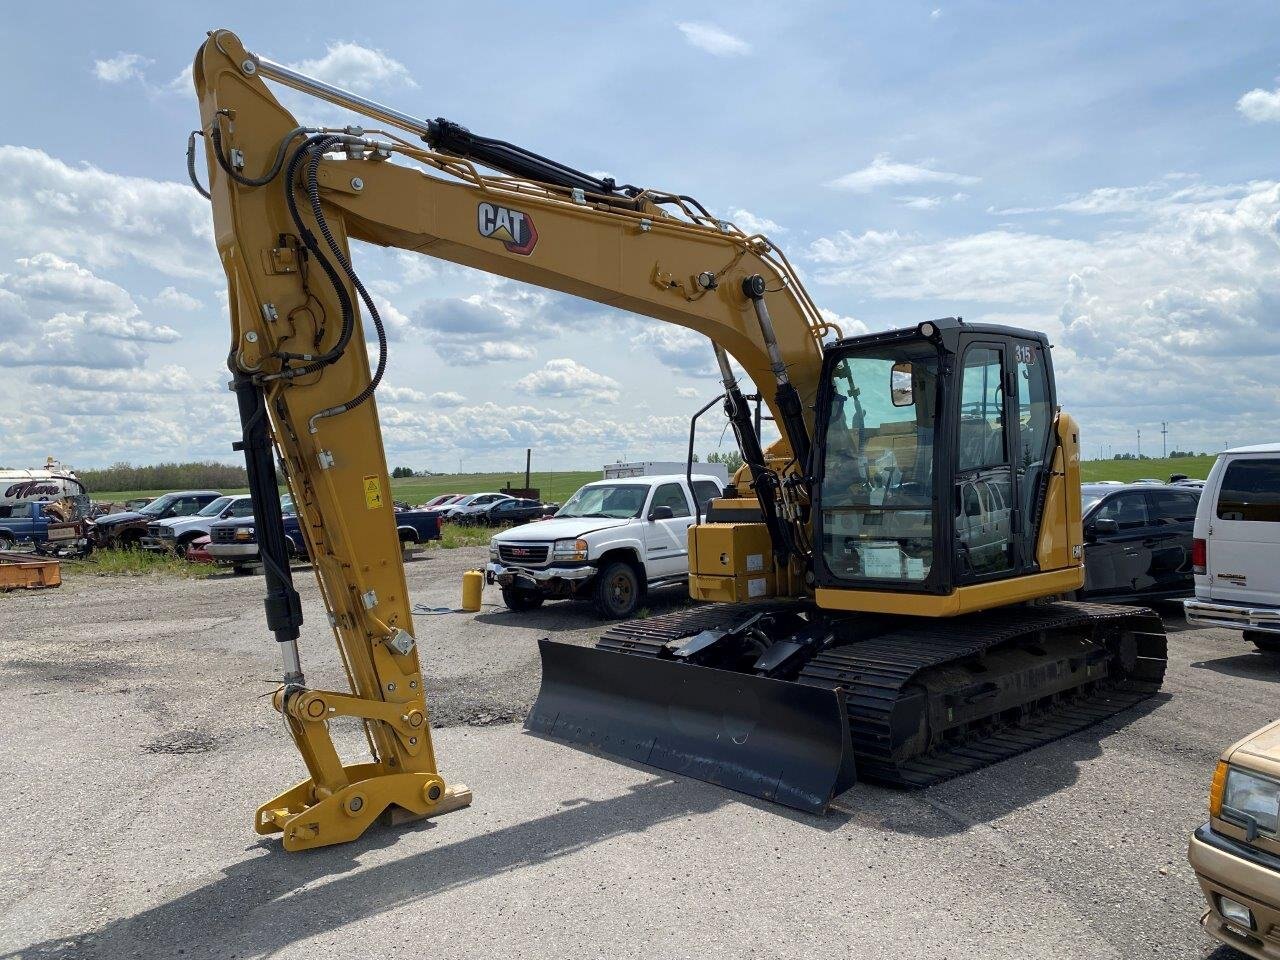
(175, 534)
(610, 542)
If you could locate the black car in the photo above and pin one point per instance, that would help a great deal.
(1137, 541)
(515, 511)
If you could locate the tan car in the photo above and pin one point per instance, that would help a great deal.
(1236, 855)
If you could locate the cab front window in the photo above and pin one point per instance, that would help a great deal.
(878, 478)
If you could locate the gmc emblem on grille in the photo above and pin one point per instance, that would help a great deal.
(521, 552)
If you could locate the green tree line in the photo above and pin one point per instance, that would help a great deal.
(197, 475)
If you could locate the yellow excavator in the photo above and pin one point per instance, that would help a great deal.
(888, 582)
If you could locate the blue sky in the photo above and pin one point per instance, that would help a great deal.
(1106, 173)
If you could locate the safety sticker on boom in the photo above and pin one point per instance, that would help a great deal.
(514, 228)
(372, 493)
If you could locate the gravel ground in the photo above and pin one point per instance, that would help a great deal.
(139, 741)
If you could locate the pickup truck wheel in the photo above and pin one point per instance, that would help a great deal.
(6, 541)
(1270, 642)
(617, 591)
(519, 600)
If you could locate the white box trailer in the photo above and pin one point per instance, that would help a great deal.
(660, 468)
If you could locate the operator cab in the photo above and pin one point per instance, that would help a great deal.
(932, 457)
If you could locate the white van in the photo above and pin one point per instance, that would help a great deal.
(1235, 552)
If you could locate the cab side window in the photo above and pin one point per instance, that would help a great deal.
(670, 495)
(982, 433)
(186, 506)
(244, 508)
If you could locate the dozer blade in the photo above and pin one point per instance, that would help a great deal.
(780, 741)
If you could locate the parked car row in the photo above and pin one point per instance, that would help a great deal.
(489, 509)
(207, 526)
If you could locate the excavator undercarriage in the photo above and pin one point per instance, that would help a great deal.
(784, 702)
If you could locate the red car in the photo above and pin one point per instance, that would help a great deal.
(198, 551)
(443, 500)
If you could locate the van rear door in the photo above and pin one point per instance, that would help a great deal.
(1244, 532)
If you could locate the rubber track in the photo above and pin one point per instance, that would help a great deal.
(874, 673)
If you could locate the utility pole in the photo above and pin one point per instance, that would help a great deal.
(1164, 438)
(1139, 443)
(528, 459)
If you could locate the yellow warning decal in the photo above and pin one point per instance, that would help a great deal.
(372, 493)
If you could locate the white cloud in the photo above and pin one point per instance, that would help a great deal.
(401, 394)
(848, 326)
(679, 348)
(503, 322)
(466, 354)
(48, 278)
(487, 428)
(687, 393)
(920, 203)
(1169, 312)
(713, 39)
(884, 171)
(121, 68)
(1260, 105)
(169, 379)
(447, 398)
(104, 219)
(175, 299)
(935, 13)
(356, 68)
(58, 313)
(564, 377)
(752, 224)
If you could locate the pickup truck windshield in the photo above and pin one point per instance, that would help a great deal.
(617, 501)
(214, 508)
(159, 505)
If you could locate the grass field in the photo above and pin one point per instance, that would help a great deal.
(1127, 470)
(135, 563)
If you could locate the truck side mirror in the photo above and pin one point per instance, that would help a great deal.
(661, 513)
(1105, 526)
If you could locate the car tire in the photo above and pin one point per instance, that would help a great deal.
(520, 600)
(6, 541)
(1268, 642)
(617, 590)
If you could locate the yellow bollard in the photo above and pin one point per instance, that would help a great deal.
(472, 588)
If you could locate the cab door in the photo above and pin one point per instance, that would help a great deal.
(666, 538)
(984, 541)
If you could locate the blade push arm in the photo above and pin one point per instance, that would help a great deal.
(286, 201)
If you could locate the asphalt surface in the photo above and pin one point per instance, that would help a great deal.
(138, 742)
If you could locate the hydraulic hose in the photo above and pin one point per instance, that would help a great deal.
(215, 136)
(191, 164)
(313, 194)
